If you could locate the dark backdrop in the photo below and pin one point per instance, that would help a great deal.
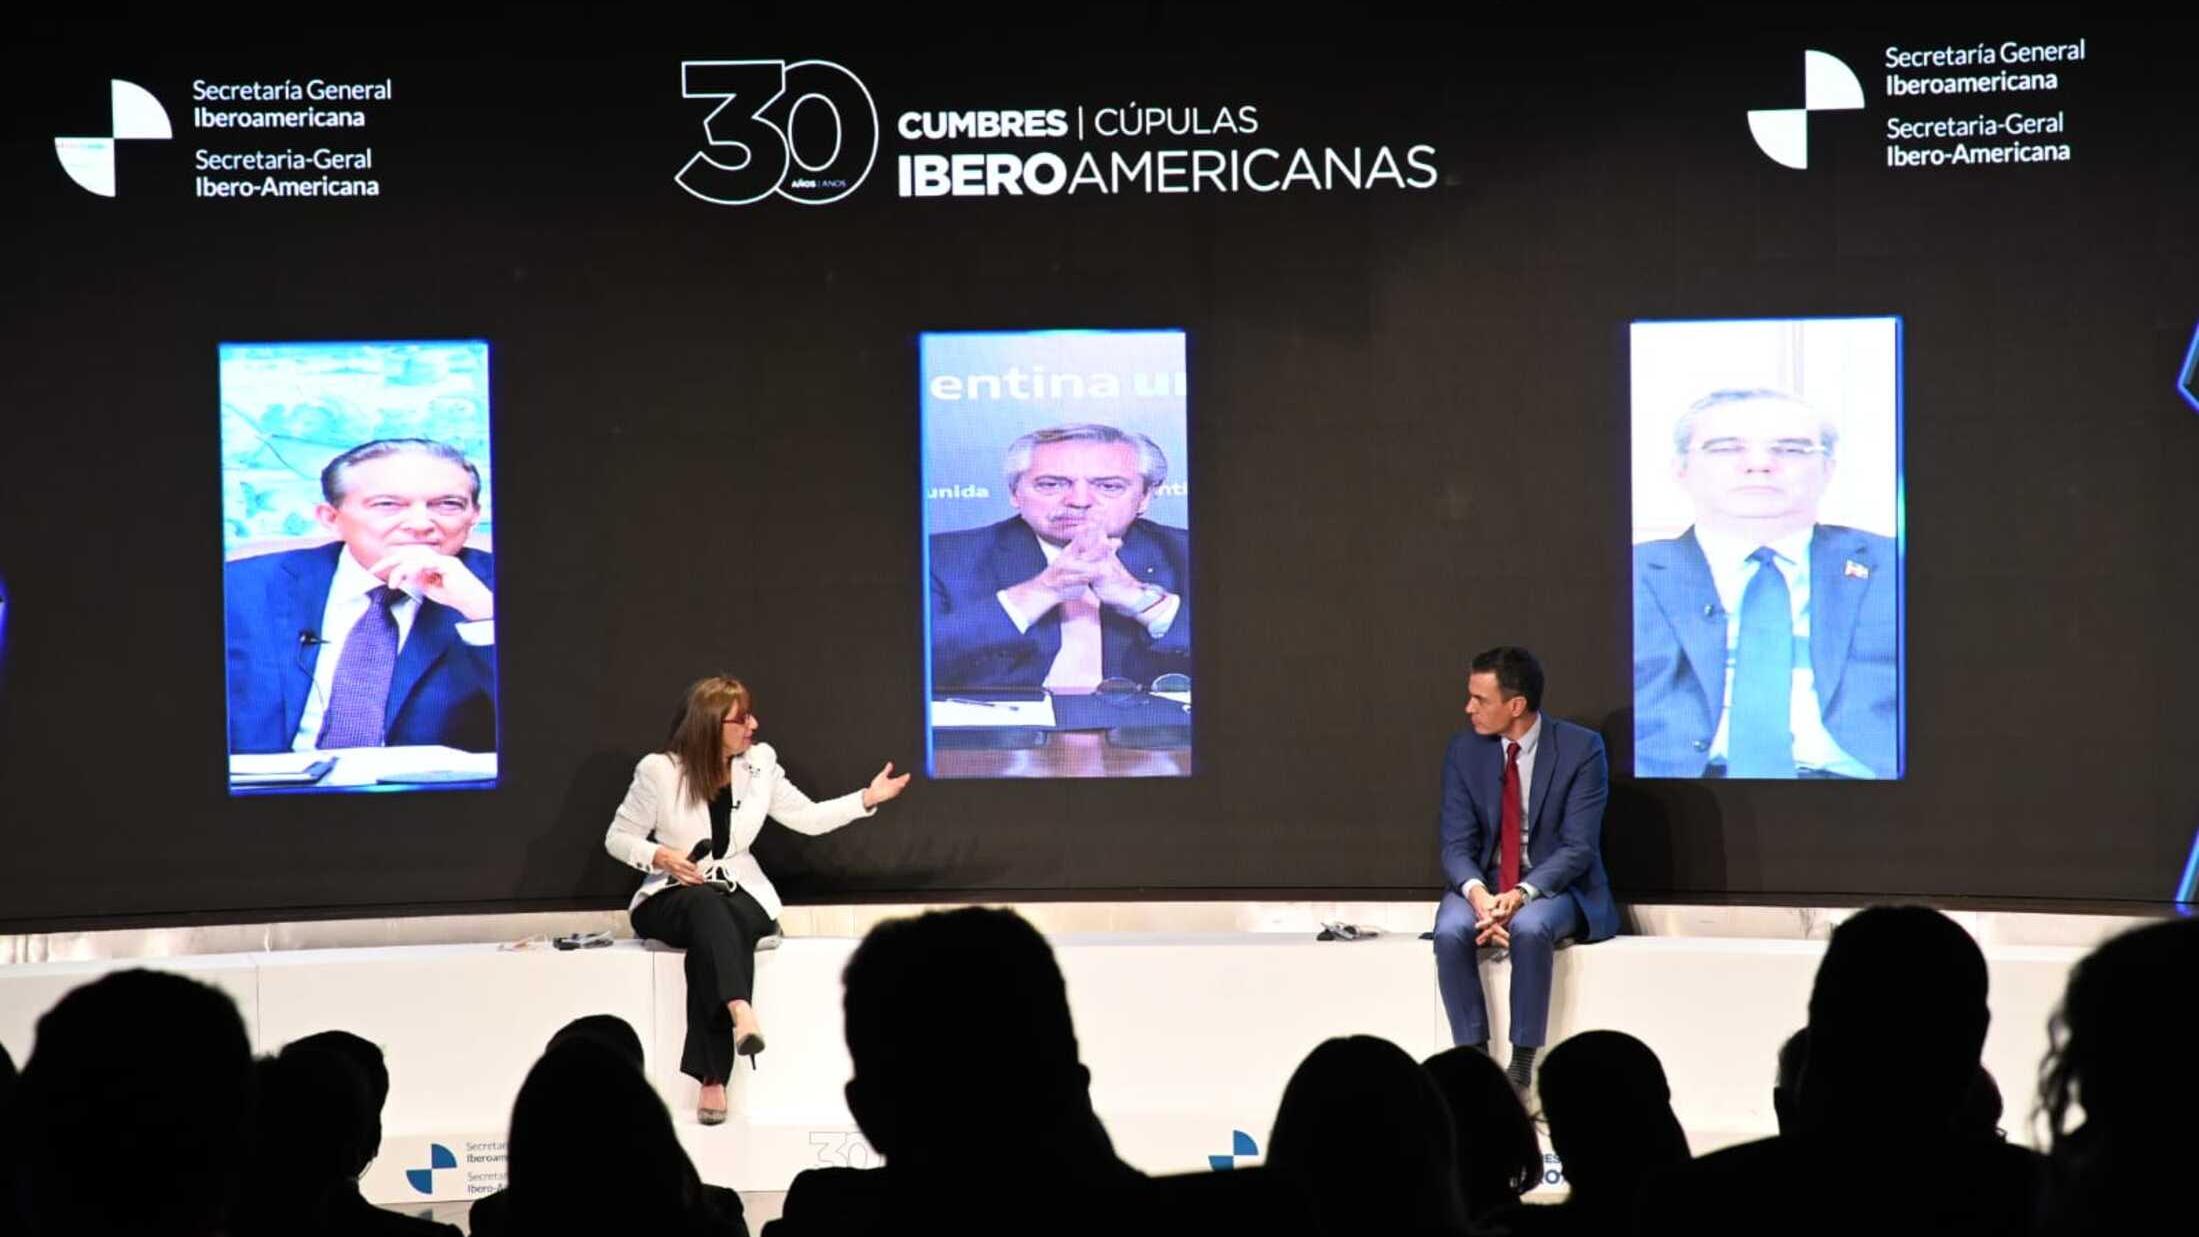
(1409, 420)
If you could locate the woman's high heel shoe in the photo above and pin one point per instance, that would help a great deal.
(750, 1046)
(709, 1116)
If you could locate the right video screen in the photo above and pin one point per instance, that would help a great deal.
(1768, 539)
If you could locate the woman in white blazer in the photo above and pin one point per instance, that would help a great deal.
(688, 821)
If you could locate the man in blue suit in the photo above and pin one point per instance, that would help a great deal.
(1740, 671)
(1522, 834)
(1074, 588)
(382, 637)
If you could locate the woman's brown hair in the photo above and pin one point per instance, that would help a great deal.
(697, 741)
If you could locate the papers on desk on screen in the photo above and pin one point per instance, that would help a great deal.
(958, 711)
(363, 766)
(279, 768)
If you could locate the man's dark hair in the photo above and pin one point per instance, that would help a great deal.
(1907, 958)
(332, 477)
(95, 1105)
(1517, 671)
(608, 1030)
(365, 1058)
(1009, 1062)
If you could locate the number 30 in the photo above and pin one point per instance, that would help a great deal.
(752, 152)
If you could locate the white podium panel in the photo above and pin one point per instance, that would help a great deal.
(1190, 1039)
(459, 1026)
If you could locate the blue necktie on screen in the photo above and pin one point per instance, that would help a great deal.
(1760, 740)
(358, 696)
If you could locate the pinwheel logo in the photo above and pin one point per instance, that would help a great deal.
(439, 1159)
(1783, 133)
(1241, 1146)
(136, 117)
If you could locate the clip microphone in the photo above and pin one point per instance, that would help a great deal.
(307, 638)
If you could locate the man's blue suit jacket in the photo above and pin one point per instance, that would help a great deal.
(976, 645)
(1680, 650)
(1564, 815)
(443, 690)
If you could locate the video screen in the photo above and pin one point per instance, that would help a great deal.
(359, 578)
(1767, 548)
(1057, 538)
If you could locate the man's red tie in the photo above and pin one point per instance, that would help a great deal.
(1508, 845)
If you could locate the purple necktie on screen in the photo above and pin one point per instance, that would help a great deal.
(359, 694)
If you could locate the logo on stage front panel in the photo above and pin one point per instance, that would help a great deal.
(1241, 1147)
(439, 1159)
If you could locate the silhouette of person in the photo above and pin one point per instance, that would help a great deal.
(1872, 1140)
(581, 1098)
(959, 1030)
(2122, 1051)
(313, 1083)
(313, 1118)
(9, 1222)
(1609, 1110)
(721, 1210)
(1364, 1136)
(133, 1114)
(1498, 1157)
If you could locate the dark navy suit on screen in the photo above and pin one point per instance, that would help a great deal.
(1564, 853)
(1680, 651)
(442, 690)
(976, 645)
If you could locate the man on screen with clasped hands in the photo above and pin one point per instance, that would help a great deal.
(1077, 586)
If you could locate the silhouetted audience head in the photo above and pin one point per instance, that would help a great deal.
(1609, 1109)
(365, 1057)
(592, 1149)
(133, 1112)
(1787, 1087)
(1498, 1156)
(958, 1025)
(7, 1077)
(2121, 1051)
(312, 1119)
(608, 1030)
(1981, 1106)
(1897, 1020)
(1364, 1135)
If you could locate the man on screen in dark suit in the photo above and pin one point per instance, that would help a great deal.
(383, 637)
(1522, 836)
(1075, 587)
(1766, 644)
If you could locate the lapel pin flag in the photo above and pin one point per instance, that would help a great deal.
(1855, 570)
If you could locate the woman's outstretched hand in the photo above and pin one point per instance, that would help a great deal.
(884, 786)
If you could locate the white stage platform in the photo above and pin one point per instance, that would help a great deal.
(1190, 1037)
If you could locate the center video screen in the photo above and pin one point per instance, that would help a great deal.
(1057, 538)
(1768, 541)
(358, 580)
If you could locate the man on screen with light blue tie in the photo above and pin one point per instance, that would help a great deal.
(1766, 644)
(1521, 828)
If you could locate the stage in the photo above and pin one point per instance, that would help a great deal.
(1191, 1016)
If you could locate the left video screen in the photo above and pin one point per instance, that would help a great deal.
(359, 578)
